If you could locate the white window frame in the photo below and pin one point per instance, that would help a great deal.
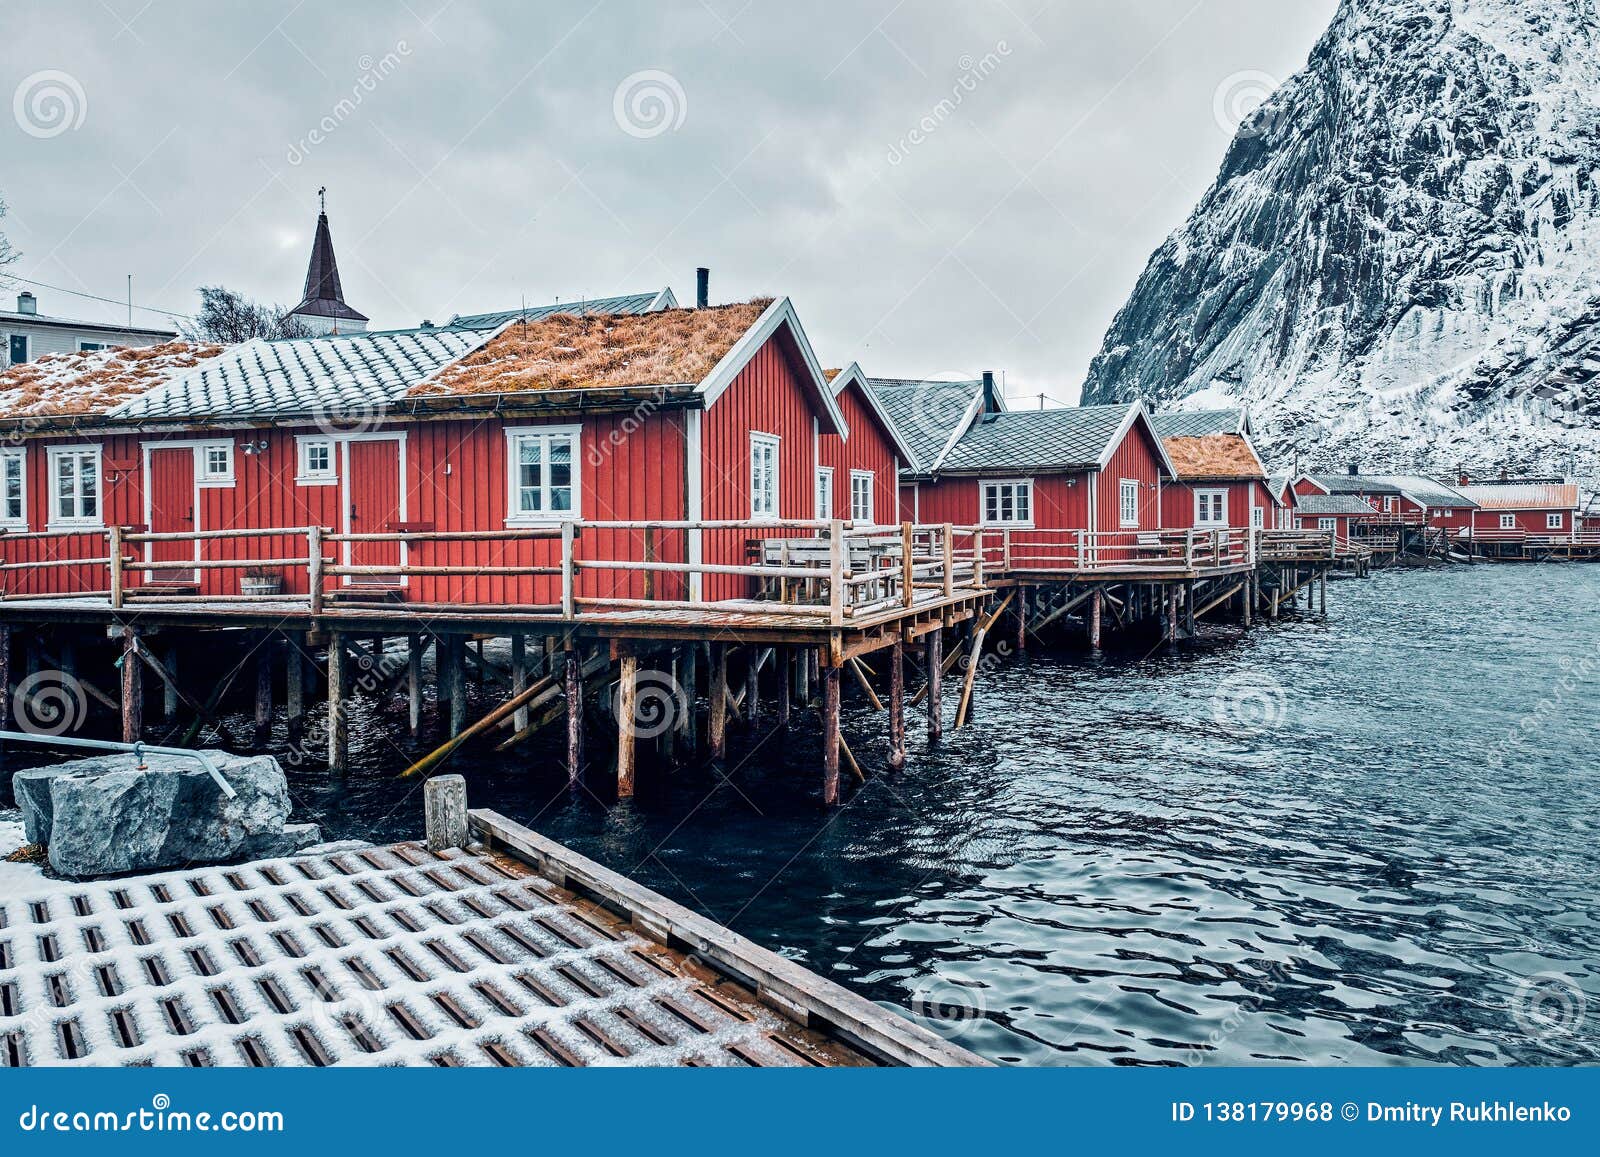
(1128, 499)
(765, 506)
(95, 521)
(1447, 513)
(1508, 522)
(824, 482)
(517, 518)
(204, 475)
(304, 474)
(27, 348)
(19, 455)
(1020, 486)
(1202, 507)
(1258, 517)
(1390, 504)
(857, 477)
(1328, 524)
(1555, 520)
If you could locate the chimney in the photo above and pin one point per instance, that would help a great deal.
(702, 287)
(1355, 468)
(1463, 478)
(991, 404)
(27, 303)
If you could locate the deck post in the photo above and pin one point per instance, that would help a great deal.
(1096, 606)
(802, 662)
(132, 687)
(415, 644)
(519, 677)
(573, 675)
(719, 700)
(1247, 599)
(457, 675)
(338, 721)
(444, 799)
(314, 569)
(690, 675)
(935, 661)
(263, 731)
(1170, 599)
(294, 691)
(783, 660)
(1322, 591)
(1022, 608)
(830, 736)
(627, 710)
(114, 561)
(1188, 608)
(169, 691)
(752, 690)
(5, 676)
(897, 703)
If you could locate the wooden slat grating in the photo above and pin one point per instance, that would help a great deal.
(391, 955)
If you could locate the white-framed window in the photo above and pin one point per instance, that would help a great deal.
(89, 347)
(314, 462)
(14, 488)
(1211, 508)
(861, 483)
(542, 469)
(75, 486)
(1390, 504)
(1327, 524)
(1554, 522)
(1299, 524)
(1258, 517)
(17, 349)
(1447, 513)
(1007, 502)
(1508, 522)
(764, 475)
(216, 464)
(1128, 501)
(824, 491)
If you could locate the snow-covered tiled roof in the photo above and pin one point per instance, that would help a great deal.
(1523, 495)
(1332, 504)
(1425, 491)
(627, 303)
(304, 375)
(1074, 438)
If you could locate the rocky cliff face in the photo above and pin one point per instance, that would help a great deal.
(1399, 262)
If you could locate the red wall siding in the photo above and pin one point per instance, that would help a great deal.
(1528, 521)
(1137, 458)
(868, 448)
(1177, 503)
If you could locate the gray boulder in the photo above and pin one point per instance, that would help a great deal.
(106, 817)
(32, 790)
(274, 845)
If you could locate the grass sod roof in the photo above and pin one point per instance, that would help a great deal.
(567, 352)
(92, 382)
(1213, 456)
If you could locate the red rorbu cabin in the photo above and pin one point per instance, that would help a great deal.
(1515, 511)
(858, 474)
(1337, 513)
(1221, 483)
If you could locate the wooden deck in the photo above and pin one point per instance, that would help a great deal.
(399, 955)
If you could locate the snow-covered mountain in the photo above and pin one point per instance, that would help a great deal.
(1399, 263)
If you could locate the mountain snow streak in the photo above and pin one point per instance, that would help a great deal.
(1399, 262)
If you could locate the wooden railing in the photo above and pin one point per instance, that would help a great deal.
(1010, 550)
(1300, 545)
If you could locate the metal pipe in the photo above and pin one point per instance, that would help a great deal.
(138, 749)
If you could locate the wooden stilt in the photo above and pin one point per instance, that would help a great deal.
(1022, 620)
(752, 690)
(802, 662)
(830, 736)
(574, 681)
(338, 718)
(935, 645)
(456, 649)
(690, 676)
(1188, 609)
(5, 677)
(415, 645)
(719, 700)
(169, 690)
(1096, 611)
(1171, 597)
(294, 691)
(1247, 600)
(627, 714)
(519, 677)
(897, 703)
(783, 659)
(132, 688)
(263, 731)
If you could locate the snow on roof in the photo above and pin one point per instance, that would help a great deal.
(1523, 495)
(1425, 491)
(353, 372)
(610, 351)
(1331, 504)
(1214, 456)
(581, 307)
(95, 381)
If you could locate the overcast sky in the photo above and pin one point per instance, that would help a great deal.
(941, 188)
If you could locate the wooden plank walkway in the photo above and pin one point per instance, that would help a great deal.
(384, 956)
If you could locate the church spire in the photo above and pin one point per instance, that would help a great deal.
(323, 307)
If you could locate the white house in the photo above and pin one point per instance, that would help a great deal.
(27, 335)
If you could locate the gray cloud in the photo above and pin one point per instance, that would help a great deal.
(940, 187)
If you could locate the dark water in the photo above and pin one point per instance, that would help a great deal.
(1359, 841)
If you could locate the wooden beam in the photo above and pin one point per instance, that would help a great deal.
(861, 678)
(132, 688)
(980, 632)
(719, 700)
(456, 648)
(830, 736)
(338, 718)
(897, 704)
(263, 720)
(935, 688)
(627, 710)
(573, 672)
(294, 691)
(415, 644)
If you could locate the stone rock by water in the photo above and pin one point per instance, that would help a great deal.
(32, 791)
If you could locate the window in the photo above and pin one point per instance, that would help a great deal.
(216, 464)
(825, 492)
(544, 474)
(1508, 522)
(1008, 503)
(89, 347)
(14, 489)
(1258, 517)
(861, 482)
(1211, 508)
(75, 485)
(315, 466)
(19, 348)
(1390, 504)
(763, 476)
(1128, 501)
(1553, 522)
(1327, 524)
(1299, 524)
(1447, 513)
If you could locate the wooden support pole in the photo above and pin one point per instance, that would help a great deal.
(897, 703)
(132, 688)
(169, 687)
(294, 691)
(1170, 596)
(574, 688)
(830, 736)
(444, 800)
(5, 677)
(627, 712)
(1022, 614)
(802, 661)
(752, 690)
(519, 677)
(456, 648)
(1188, 609)
(1247, 600)
(866, 687)
(1096, 610)
(415, 645)
(691, 692)
(783, 658)
(264, 649)
(935, 645)
(719, 700)
(338, 719)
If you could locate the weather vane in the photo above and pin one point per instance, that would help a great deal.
(322, 195)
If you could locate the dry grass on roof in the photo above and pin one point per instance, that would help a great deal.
(1213, 456)
(94, 381)
(605, 351)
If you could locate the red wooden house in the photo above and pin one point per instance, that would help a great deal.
(1338, 513)
(1221, 483)
(858, 474)
(929, 416)
(1521, 510)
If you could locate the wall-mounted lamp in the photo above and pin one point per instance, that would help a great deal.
(253, 448)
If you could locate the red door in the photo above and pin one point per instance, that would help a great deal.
(372, 496)
(172, 510)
